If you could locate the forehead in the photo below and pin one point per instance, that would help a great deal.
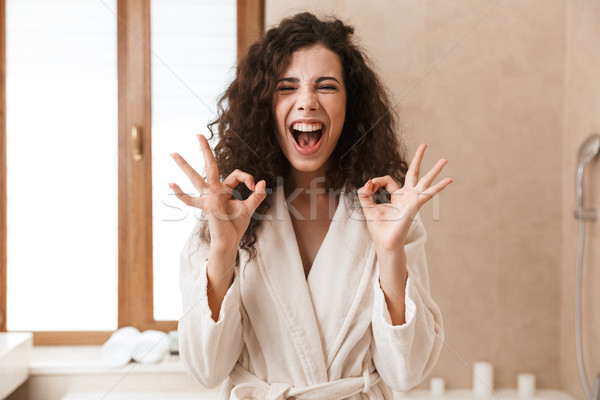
(313, 62)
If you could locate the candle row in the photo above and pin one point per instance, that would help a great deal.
(483, 382)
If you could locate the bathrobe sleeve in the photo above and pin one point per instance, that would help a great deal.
(209, 350)
(405, 354)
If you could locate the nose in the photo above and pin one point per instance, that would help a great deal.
(307, 100)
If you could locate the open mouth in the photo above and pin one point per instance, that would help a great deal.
(307, 137)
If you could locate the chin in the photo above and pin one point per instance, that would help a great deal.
(307, 166)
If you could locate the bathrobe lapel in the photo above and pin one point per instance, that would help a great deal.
(284, 278)
(319, 311)
(340, 277)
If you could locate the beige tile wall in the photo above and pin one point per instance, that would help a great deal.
(582, 117)
(483, 83)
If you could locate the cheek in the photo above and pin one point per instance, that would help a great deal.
(280, 114)
(280, 123)
(280, 127)
(339, 122)
(339, 113)
(337, 108)
(343, 107)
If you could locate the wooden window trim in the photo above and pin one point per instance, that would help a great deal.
(135, 305)
(250, 23)
(2, 166)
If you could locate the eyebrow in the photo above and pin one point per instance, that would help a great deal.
(318, 80)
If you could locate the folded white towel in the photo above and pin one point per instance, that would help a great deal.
(117, 350)
(151, 347)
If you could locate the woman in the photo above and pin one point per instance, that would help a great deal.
(333, 297)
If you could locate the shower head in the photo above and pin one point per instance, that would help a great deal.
(589, 149)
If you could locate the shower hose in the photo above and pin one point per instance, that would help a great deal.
(595, 395)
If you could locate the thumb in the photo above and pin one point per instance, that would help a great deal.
(257, 197)
(365, 195)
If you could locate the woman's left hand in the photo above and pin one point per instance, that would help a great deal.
(388, 223)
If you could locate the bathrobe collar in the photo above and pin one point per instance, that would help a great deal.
(318, 310)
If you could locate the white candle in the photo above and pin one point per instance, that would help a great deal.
(174, 342)
(437, 386)
(526, 385)
(483, 379)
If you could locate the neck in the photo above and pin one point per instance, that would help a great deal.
(306, 184)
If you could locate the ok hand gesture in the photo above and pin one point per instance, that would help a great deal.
(228, 218)
(389, 223)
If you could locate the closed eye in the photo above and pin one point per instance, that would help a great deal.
(285, 88)
(328, 87)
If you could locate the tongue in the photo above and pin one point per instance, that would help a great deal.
(307, 139)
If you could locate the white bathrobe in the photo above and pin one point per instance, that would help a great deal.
(329, 336)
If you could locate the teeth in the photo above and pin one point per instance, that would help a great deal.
(307, 127)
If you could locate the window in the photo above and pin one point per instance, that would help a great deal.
(61, 138)
(185, 79)
(64, 111)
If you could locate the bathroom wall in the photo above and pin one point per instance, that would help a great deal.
(582, 117)
(483, 83)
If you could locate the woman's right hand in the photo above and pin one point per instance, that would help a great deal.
(228, 218)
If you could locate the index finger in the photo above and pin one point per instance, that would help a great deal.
(212, 171)
(412, 175)
(191, 173)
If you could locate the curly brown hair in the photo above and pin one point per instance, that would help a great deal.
(368, 145)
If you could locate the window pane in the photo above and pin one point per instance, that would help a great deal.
(193, 59)
(62, 164)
